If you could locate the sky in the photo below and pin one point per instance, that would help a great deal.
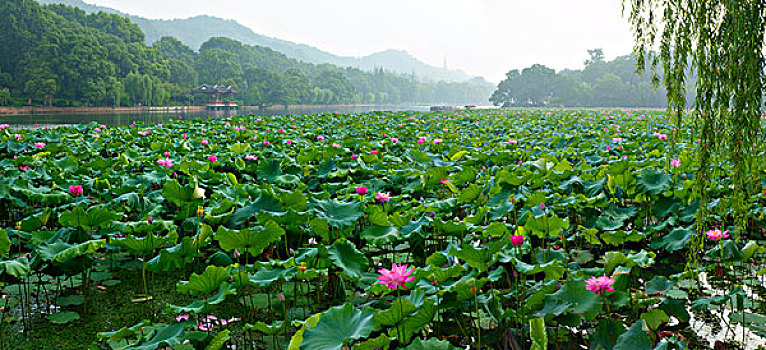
(481, 37)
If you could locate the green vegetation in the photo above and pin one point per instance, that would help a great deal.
(59, 55)
(600, 84)
(195, 31)
(549, 229)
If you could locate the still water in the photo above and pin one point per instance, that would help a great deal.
(115, 119)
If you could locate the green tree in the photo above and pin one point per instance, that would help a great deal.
(215, 66)
(271, 89)
(298, 86)
(724, 43)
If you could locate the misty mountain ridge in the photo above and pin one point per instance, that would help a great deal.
(196, 30)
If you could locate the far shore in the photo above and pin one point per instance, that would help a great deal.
(33, 110)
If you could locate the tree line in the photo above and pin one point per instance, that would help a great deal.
(601, 83)
(60, 55)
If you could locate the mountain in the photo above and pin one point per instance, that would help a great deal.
(196, 30)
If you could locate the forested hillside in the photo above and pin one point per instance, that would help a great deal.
(196, 30)
(61, 55)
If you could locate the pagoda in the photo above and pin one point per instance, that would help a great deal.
(219, 97)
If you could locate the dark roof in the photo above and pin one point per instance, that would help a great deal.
(215, 89)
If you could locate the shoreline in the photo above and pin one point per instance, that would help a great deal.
(33, 110)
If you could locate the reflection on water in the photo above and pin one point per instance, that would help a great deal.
(115, 119)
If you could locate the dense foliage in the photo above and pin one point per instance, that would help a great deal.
(519, 229)
(600, 84)
(59, 55)
(723, 42)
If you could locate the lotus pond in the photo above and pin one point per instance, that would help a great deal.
(496, 229)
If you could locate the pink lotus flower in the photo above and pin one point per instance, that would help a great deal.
(320, 138)
(335, 145)
(204, 142)
(212, 158)
(251, 157)
(383, 197)
(17, 136)
(167, 162)
(394, 140)
(184, 136)
(3, 126)
(617, 140)
(266, 143)
(438, 141)
(599, 285)
(24, 167)
(39, 145)
(383, 134)
(96, 136)
(362, 190)
(97, 129)
(421, 140)
(396, 277)
(608, 148)
(662, 136)
(517, 240)
(75, 190)
(353, 156)
(717, 235)
(374, 152)
(281, 131)
(142, 133)
(166, 154)
(182, 317)
(513, 141)
(675, 162)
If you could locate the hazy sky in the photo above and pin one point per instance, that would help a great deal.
(482, 37)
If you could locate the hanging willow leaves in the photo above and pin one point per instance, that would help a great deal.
(722, 42)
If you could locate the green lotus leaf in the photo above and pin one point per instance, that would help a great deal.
(145, 245)
(346, 257)
(634, 339)
(338, 325)
(654, 318)
(654, 181)
(606, 334)
(574, 298)
(89, 219)
(63, 317)
(16, 268)
(247, 240)
(209, 281)
(382, 342)
(179, 195)
(543, 226)
(677, 239)
(277, 327)
(264, 204)
(431, 344)
(613, 217)
(59, 251)
(5, 243)
(380, 235)
(265, 276)
(338, 214)
(538, 334)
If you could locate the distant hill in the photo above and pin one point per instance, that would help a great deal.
(196, 30)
